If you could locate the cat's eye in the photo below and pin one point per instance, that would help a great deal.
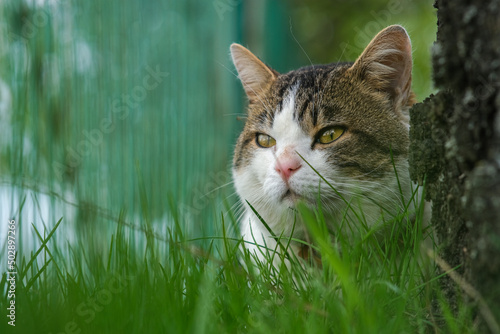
(330, 134)
(265, 140)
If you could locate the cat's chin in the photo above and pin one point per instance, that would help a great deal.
(291, 199)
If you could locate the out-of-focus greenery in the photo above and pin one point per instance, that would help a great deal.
(343, 37)
(118, 102)
(82, 114)
(120, 118)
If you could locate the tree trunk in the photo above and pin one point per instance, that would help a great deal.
(455, 148)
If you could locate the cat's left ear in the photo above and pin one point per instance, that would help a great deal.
(386, 65)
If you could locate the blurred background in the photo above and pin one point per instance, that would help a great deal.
(128, 111)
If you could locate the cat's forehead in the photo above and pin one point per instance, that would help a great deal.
(298, 95)
(311, 79)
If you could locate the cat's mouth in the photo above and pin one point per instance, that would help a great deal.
(290, 195)
(291, 198)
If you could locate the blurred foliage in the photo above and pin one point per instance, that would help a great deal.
(346, 27)
(130, 110)
(122, 104)
(133, 106)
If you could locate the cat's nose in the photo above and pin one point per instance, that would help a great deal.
(287, 165)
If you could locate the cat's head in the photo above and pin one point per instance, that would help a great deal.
(349, 121)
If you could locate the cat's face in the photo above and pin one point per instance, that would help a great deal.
(346, 122)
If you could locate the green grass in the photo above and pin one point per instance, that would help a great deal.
(121, 274)
(173, 284)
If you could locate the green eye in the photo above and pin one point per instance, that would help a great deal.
(265, 140)
(330, 134)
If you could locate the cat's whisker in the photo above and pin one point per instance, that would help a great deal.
(316, 81)
(217, 188)
(238, 209)
(265, 103)
(298, 43)
(375, 185)
(234, 194)
(342, 54)
(364, 190)
(240, 115)
(368, 193)
(230, 71)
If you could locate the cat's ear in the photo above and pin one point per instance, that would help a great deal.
(386, 65)
(255, 76)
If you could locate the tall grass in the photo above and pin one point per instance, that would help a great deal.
(133, 233)
(175, 284)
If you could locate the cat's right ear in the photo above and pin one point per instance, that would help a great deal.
(255, 76)
(386, 65)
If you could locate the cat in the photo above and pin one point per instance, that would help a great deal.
(347, 122)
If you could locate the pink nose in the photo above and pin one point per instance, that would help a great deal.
(287, 165)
